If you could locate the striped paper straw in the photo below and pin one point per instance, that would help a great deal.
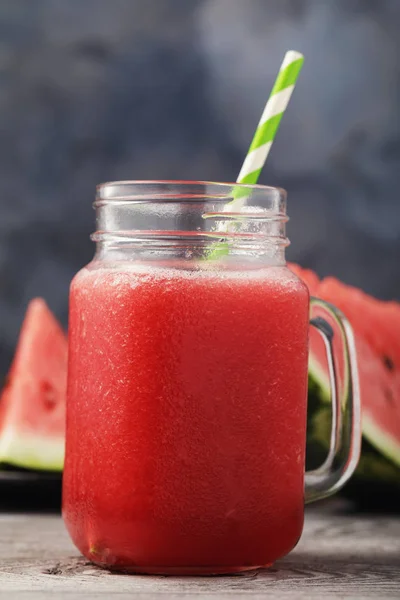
(271, 117)
(262, 140)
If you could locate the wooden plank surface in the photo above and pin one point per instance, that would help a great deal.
(339, 556)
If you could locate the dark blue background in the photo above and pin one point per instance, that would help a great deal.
(93, 90)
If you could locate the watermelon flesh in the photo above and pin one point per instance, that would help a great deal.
(32, 405)
(376, 325)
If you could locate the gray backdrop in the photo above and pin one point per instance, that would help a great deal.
(93, 90)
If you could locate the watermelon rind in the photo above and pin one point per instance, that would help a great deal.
(24, 450)
(384, 442)
(377, 475)
(318, 380)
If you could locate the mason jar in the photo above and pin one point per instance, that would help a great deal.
(187, 383)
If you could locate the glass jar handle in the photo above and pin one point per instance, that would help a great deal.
(345, 441)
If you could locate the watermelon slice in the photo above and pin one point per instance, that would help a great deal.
(32, 405)
(376, 326)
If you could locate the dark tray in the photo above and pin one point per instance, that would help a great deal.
(27, 491)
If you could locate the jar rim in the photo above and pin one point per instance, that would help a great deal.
(190, 213)
(113, 190)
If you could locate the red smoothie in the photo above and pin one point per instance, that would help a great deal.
(186, 417)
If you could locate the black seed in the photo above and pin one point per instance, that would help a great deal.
(387, 361)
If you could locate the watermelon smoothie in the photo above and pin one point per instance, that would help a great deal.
(186, 416)
(187, 383)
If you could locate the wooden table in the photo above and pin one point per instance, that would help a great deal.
(340, 555)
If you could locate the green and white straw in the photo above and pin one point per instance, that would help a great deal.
(271, 117)
(263, 137)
